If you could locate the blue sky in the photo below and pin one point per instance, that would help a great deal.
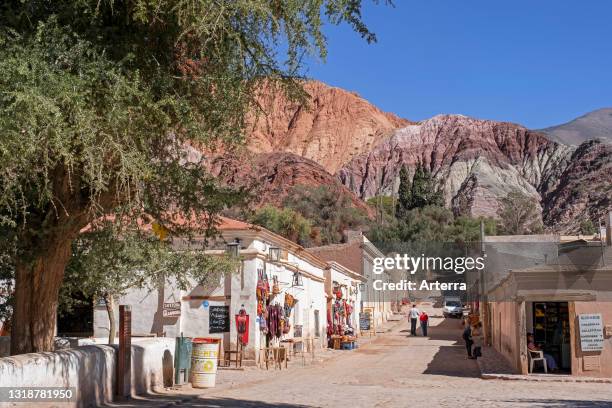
(538, 62)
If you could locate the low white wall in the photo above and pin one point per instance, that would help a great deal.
(90, 370)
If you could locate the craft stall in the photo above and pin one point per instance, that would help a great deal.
(340, 329)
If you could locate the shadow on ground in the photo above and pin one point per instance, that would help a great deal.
(450, 360)
(167, 401)
(555, 403)
(448, 329)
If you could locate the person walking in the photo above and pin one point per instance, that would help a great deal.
(414, 317)
(477, 340)
(424, 322)
(467, 337)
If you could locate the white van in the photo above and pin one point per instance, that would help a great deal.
(452, 307)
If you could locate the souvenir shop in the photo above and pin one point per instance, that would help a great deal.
(274, 307)
(341, 328)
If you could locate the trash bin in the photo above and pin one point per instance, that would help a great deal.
(182, 360)
(204, 357)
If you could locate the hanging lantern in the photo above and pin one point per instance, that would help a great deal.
(274, 254)
(297, 279)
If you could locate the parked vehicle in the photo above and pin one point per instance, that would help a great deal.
(452, 307)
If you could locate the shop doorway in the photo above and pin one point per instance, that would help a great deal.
(551, 332)
(76, 321)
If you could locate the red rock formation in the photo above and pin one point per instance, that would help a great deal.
(478, 161)
(272, 175)
(331, 129)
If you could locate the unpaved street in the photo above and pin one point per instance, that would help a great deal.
(396, 370)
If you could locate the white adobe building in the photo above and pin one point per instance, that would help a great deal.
(171, 312)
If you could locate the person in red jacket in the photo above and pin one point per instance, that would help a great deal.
(424, 322)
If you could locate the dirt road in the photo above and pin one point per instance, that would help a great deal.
(396, 370)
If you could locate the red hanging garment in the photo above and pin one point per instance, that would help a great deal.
(242, 327)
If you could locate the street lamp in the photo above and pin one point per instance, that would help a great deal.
(274, 253)
(297, 279)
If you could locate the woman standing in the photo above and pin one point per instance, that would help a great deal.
(424, 322)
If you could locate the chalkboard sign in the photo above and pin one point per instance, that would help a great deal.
(365, 320)
(218, 319)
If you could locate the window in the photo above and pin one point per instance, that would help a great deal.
(317, 329)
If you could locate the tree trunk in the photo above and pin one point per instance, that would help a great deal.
(110, 309)
(37, 284)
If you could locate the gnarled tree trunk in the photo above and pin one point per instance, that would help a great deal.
(112, 324)
(37, 284)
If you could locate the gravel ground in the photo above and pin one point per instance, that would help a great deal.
(393, 370)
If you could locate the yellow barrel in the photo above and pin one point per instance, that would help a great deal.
(204, 357)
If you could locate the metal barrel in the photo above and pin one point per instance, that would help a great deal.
(204, 357)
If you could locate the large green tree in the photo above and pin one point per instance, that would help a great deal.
(107, 263)
(424, 190)
(98, 99)
(519, 214)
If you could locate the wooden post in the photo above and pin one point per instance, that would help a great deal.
(522, 338)
(124, 358)
(574, 343)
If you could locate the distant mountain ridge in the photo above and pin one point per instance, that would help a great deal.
(593, 125)
(342, 141)
(479, 162)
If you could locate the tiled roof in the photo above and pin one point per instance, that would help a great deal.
(232, 224)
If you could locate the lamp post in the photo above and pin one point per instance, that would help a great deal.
(274, 254)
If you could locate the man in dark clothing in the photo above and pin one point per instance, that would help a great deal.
(467, 337)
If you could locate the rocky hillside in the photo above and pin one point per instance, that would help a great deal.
(593, 125)
(584, 187)
(272, 175)
(480, 161)
(333, 127)
(342, 141)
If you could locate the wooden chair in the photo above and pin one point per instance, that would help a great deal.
(536, 356)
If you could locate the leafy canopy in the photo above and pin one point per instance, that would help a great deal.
(329, 210)
(285, 222)
(424, 190)
(107, 262)
(519, 214)
(100, 97)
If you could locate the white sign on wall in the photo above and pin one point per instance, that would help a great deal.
(591, 332)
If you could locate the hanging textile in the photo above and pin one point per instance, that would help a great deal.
(242, 327)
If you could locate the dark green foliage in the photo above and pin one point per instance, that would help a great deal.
(404, 193)
(424, 190)
(432, 224)
(587, 227)
(112, 262)
(285, 222)
(329, 211)
(98, 102)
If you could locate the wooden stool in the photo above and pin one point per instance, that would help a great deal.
(238, 359)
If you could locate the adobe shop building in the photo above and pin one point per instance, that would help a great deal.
(284, 289)
(566, 304)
